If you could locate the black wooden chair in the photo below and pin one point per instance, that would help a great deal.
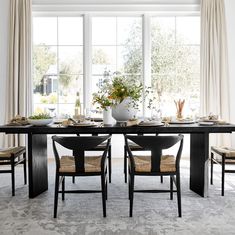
(100, 148)
(226, 156)
(80, 165)
(12, 157)
(155, 164)
(133, 147)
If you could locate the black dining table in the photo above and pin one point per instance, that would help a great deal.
(37, 148)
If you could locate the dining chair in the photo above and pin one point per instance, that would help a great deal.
(133, 147)
(79, 164)
(226, 156)
(155, 164)
(12, 157)
(101, 147)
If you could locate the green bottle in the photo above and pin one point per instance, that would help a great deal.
(77, 106)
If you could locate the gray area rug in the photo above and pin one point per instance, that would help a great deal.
(153, 213)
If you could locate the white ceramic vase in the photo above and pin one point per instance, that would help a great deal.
(107, 116)
(124, 111)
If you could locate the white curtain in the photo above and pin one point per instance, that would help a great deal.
(214, 63)
(19, 89)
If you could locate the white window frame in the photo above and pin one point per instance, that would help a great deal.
(92, 10)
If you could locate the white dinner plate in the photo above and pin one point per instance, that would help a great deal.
(182, 122)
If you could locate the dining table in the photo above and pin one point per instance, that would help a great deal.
(37, 148)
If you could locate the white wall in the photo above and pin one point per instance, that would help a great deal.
(230, 17)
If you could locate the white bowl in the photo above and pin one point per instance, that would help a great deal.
(40, 122)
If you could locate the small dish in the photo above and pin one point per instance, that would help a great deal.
(206, 123)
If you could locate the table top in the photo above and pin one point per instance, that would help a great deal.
(172, 128)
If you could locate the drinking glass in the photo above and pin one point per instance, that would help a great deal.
(88, 114)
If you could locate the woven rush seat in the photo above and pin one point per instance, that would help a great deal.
(229, 152)
(12, 157)
(143, 163)
(92, 164)
(7, 153)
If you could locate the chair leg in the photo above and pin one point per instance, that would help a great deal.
(106, 190)
(161, 179)
(212, 165)
(129, 187)
(223, 170)
(73, 179)
(132, 176)
(56, 194)
(63, 187)
(103, 188)
(171, 187)
(110, 163)
(25, 169)
(13, 175)
(125, 164)
(178, 194)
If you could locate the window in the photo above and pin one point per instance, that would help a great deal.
(57, 63)
(116, 47)
(115, 43)
(175, 61)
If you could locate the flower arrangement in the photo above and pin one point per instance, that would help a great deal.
(117, 88)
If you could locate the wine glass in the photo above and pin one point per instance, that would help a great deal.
(88, 114)
(156, 114)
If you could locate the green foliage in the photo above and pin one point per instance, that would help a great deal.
(102, 99)
(50, 99)
(172, 65)
(65, 78)
(43, 58)
(40, 116)
(116, 89)
(99, 57)
(121, 87)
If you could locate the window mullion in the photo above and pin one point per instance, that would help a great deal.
(146, 44)
(87, 60)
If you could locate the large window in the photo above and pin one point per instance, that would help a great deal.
(175, 61)
(170, 44)
(58, 64)
(116, 47)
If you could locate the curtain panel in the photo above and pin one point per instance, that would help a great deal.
(19, 88)
(214, 83)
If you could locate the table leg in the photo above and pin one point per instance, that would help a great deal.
(37, 164)
(199, 159)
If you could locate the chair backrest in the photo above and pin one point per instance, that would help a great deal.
(156, 144)
(79, 145)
